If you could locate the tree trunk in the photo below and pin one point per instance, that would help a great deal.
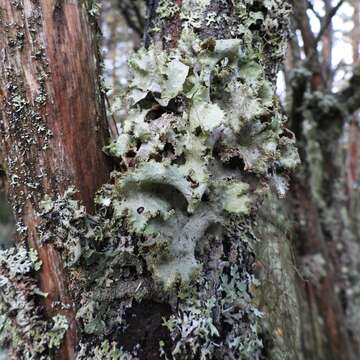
(53, 127)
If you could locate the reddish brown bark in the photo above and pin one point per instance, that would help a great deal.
(175, 26)
(54, 138)
(321, 298)
(309, 42)
(327, 47)
(355, 36)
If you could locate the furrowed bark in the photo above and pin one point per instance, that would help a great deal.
(354, 135)
(53, 125)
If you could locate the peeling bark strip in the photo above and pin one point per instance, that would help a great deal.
(52, 124)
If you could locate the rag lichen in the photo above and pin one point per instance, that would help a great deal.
(180, 140)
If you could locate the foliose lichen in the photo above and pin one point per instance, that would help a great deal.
(180, 142)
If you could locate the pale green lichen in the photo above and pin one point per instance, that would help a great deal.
(57, 331)
(104, 351)
(235, 199)
(19, 261)
(34, 259)
(195, 330)
(203, 141)
(167, 9)
(71, 228)
(166, 148)
(93, 7)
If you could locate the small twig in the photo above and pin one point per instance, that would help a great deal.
(139, 16)
(326, 21)
(325, 24)
(127, 14)
(311, 7)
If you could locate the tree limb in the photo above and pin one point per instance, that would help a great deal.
(327, 21)
(311, 7)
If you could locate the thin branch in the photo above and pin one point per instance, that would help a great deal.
(112, 124)
(327, 21)
(139, 17)
(129, 19)
(132, 15)
(325, 24)
(303, 24)
(311, 7)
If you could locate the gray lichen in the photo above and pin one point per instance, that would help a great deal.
(22, 326)
(27, 126)
(104, 351)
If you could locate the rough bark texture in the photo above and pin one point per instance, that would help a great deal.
(53, 126)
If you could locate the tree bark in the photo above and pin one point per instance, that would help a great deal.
(166, 265)
(53, 125)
